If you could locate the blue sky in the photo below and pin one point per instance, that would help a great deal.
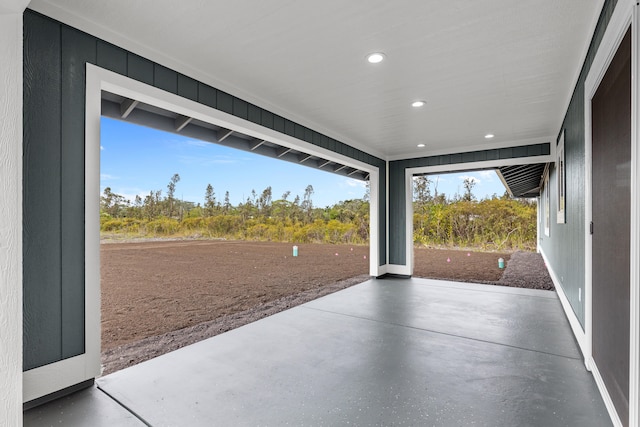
(135, 160)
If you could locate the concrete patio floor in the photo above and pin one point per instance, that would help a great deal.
(386, 352)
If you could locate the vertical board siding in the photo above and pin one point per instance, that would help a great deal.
(564, 246)
(397, 213)
(254, 115)
(77, 49)
(112, 58)
(42, 303)
(187, 88)
(139, 68)
(224, 102)
(165, 79)
(54, 112)
(207, 95)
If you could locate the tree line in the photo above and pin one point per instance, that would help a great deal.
(259, 217)
(491, 223)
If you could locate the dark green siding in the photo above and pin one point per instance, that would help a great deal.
(42, 237)
(397, 206)
(564, 247)
(397, 213)
(77, 49)
(54, 101)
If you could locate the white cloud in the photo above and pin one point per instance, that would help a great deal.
(197, 143)
(204, 161)
(101, 147)
(130, 193)
(107, 177)
(487, 175)
(354, 183)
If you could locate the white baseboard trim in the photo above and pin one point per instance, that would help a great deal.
(56, 376)
(613, 414)
(398, 269)
(576, 327)
(380, 271)
(581, 338)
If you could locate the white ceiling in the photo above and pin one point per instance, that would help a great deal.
(484, 66)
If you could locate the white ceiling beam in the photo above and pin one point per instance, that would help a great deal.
(223, 134)
(127, 106)
(353, 172)
(282, 151)
(304, 157)
(323, 164)
(181, 122)
(339, 168)
(256, 143)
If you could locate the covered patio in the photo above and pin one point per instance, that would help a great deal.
(376, 90)
(384, 352)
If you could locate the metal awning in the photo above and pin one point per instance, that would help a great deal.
(522, 180)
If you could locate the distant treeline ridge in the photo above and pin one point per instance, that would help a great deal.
(492, 223)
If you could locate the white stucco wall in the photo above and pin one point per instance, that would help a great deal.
(11, 212)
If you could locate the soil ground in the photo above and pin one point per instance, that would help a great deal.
(158, 296)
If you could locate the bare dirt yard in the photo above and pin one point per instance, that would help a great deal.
(158, 296)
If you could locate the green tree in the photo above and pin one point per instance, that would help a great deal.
(422, 190)
(171, 189)
(152, 205)
(468, 183)
(264, 202)
(227, 204)
(209, 200)
(307, 203)
(113, 204)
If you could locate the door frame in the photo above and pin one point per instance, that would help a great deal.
(625, 15)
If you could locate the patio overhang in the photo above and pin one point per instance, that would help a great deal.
(133, 111)
(522, 180)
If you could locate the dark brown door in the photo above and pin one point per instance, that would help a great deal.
(611, 121)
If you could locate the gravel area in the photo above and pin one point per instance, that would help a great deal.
(526, 270)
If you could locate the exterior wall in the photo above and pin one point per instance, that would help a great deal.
(398, 196)
(11, 211)
(54, 84)
(564, 248)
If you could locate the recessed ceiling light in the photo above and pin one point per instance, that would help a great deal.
(375, 57)
(420, 145)
(489, 135)
(417, 104)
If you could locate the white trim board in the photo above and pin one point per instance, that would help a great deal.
(476, 147)
(625, 14)
(606, 397)
(634, 354)
(11, 152)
